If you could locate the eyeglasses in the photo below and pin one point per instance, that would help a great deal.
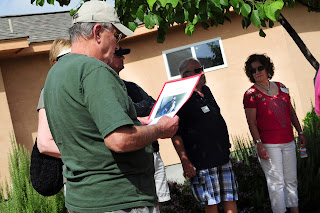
(260, 68)
(197, 70)
(117, 35)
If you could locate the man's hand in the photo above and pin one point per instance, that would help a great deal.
(167, 126)
(188, 170)
(144, 120)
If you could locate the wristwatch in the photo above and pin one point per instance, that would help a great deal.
(257, 141)
(301, 133)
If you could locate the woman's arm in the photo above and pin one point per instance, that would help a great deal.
(251, 114)
(45, 142)
(296, 124)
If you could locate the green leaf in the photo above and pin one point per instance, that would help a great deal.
(245, 22)
(151, 3)
(189, 29)
(149, 23)
(277, 4)
(273, 10)
(255, 18)
(224, 2)
(195, 20)
(72, 12)
(235, 3)
(187, 5)
(271, 23)
(50, 2)
(227, 18)
(163, 2)
(140, 13)
(186, 14)
(237, 10)
(174, 3)
(132, 26)
(262, 14)
(161, 35)
(40, 2)
(157, 19)
(245, 10)
(205, 25)
(203, 17)
(203, 6)
(179, 17)
(262, 34)
(214, 3)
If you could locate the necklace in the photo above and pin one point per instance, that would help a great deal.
(268, 90)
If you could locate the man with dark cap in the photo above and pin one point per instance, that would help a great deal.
(107, 153)
(143, 104)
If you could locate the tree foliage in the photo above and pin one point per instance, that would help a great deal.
(208, 13)
(165, 13)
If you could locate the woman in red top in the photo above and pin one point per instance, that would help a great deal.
(269, 115)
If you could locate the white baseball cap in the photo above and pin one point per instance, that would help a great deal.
(100, 12)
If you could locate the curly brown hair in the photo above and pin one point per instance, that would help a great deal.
(264, 60)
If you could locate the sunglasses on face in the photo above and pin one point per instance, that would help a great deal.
(260, 68)
(197, 70)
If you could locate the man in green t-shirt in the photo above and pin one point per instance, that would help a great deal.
(107, 153)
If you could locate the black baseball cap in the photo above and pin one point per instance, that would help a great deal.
(122, 51)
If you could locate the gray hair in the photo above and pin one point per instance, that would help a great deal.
(184, 64)
(84, 30)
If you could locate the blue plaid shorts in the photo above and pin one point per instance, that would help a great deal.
(211, 186)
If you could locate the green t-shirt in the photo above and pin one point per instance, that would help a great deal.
(85, 101)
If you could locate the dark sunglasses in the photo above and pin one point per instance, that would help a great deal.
(197, 70)
(260, 68)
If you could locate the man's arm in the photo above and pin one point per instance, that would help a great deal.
(186, 164)
(45, 142)
(132, 138)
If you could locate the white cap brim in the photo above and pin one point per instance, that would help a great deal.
(123, 29)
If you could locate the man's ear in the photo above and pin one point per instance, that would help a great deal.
(96, 32)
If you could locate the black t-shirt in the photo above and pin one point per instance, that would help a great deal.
(203, 131)
(142, 102)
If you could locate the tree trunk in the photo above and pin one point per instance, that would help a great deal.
(303, 48)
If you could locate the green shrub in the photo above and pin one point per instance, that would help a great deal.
(309, 168)
(253, 190)
(182, 200)
(20, 197)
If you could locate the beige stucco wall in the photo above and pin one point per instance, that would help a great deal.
(6, 131)
(145, 65)
(23, 79)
